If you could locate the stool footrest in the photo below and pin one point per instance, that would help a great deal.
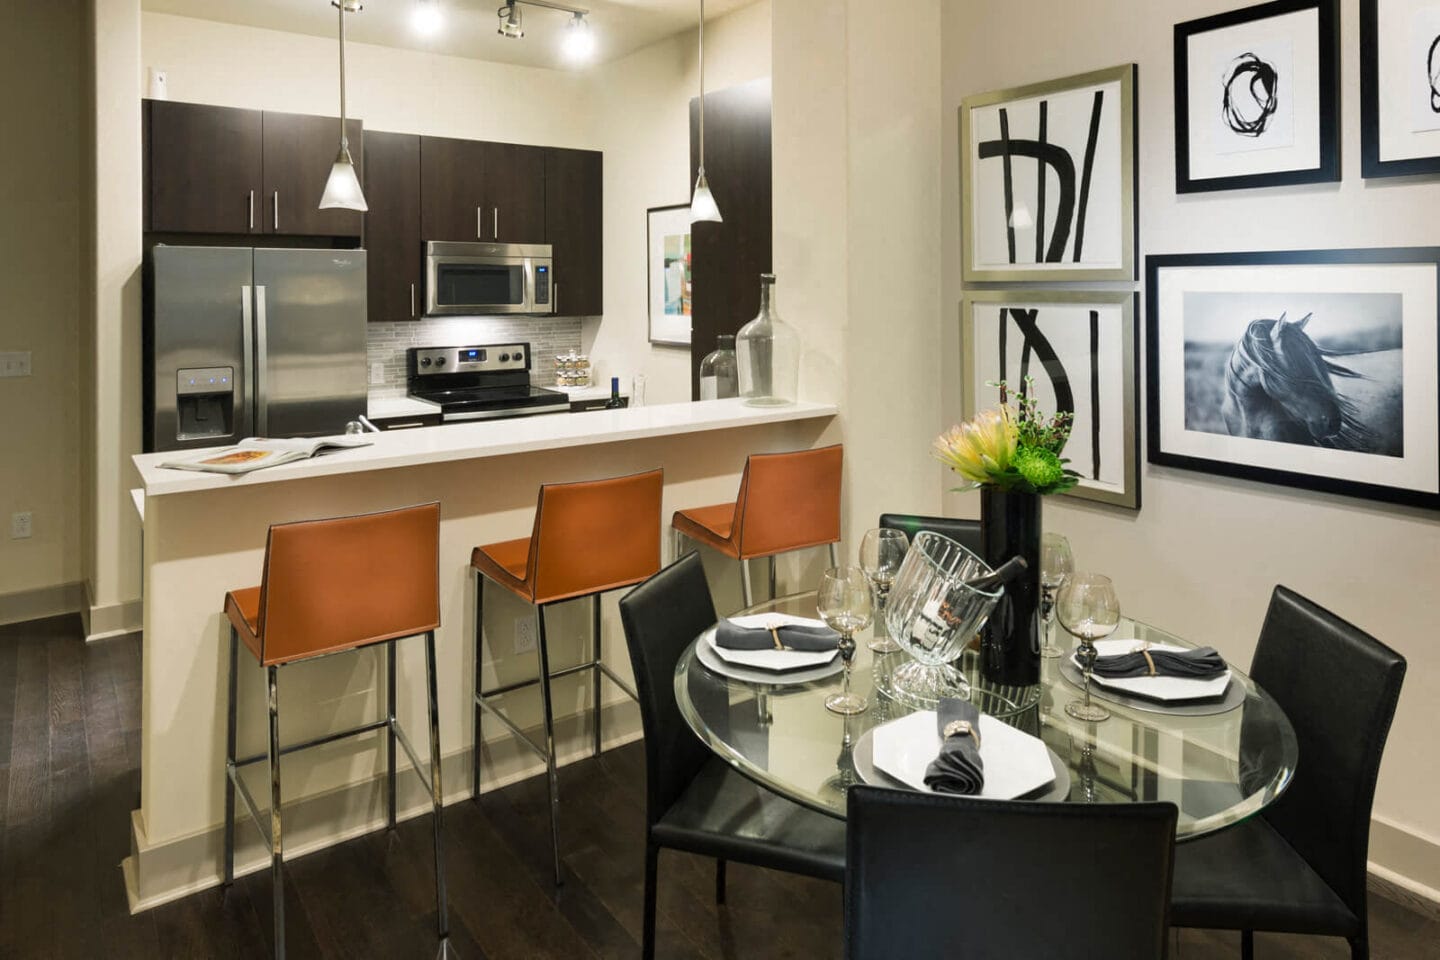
(232, 771)
(414, 759)
(318, 741)
(510, 725)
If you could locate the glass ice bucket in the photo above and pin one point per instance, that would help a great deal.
(932, 613)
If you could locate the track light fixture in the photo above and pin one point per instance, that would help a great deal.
(579, 42)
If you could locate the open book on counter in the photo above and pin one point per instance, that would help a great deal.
(257, 453)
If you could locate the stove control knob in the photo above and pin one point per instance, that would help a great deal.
(504, 357)
(517, 356)
(439, 361)
(424, 361)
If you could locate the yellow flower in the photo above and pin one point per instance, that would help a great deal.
(979, 448)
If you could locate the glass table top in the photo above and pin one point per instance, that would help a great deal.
(1217, 769)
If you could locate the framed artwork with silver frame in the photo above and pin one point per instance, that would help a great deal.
(1080, 350)
(1399, 87)
(667, 256)
(1048, 180)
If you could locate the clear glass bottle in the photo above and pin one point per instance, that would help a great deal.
(767, 352)
(719, 377)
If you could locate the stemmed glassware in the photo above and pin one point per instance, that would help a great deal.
(881, 552)
(1056, 563)
(844, 603)
(1089, 609)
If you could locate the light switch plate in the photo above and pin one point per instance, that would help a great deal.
(15, 364)
(21, 525)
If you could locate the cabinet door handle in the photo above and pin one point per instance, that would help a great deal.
(555, 299)
(252, 209)
(479, 229)
(496, 228)
(275, 203)
(412, 301)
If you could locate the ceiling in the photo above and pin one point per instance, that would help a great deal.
(620, 26)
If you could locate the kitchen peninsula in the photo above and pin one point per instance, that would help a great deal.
(205, 534)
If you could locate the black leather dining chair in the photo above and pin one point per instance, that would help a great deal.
(935, 876)
(694, 801)
(1299, 867)
(964, 532)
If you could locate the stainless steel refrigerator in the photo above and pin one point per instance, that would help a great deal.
(245, 342)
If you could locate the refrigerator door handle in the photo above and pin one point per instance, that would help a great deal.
(261, 360)
(247, 358)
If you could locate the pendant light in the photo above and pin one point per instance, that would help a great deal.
(702, 201)
(342, 189)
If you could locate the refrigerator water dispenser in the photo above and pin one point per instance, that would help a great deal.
(205, 402)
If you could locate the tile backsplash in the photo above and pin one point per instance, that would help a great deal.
(547, 337)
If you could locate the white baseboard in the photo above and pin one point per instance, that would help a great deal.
(1405, 865)
(157, 873)
(41, 602)
(102, 622)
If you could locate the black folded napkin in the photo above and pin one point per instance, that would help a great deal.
(1202, 663)
(805, 639)
(958, 767)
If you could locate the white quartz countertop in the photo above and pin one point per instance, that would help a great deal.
(496, 438)
(388, 408)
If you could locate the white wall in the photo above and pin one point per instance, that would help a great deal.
(41, 268)
(1202, 555)
(643, 105)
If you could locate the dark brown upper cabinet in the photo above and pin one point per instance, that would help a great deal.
(204, 168)
(392, 227)
(299, 151)
(475, 190)
(574, 227)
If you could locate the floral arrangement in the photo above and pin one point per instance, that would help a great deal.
(1012, 449)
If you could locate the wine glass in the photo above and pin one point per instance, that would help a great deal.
(1056, 563)
(881, 553)
(1089, 609)
(844, 603)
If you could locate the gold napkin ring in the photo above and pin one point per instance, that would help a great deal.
(1144, 651)
(961, 728)
(775, 635)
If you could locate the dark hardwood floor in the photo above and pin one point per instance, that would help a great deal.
(69, 777)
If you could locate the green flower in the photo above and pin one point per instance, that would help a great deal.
(1040, 468)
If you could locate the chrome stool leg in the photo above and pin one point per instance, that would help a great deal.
(746, 593)
(475, 705)
(595, 673)
(834, 556)
(772, 576)
(436, 788)
(554, 779)
(276, 842)
(230, 722)
(390, 732)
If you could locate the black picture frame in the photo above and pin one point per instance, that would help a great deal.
(1329, 94)
(1155, 333)
(1371, 165)
(666, 337)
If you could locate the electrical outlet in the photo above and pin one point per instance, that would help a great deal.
(15, 364)
(377, 374)
(524, 635)
(21, 525)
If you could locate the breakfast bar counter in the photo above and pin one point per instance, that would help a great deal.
(204, 534)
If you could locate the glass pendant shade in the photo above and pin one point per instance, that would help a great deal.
(342, 189)
(768, 354)
(702, 203)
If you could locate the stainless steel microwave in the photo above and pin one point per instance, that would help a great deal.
(488, 278)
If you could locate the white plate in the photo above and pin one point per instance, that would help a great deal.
(779, 660)
(1165, 689)
(1015, 762)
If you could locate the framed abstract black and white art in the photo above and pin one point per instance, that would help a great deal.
(1048, 180)
(1399, 87)
(1314, 368)
(1079, 349)
(1257, 97)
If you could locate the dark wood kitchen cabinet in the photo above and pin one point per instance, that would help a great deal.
(393, 237)
(299, 151)
(476, 190)
(575, 228)
(204, 168)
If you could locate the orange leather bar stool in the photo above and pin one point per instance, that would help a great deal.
(787, 501)
(334, 586)
(588, 538)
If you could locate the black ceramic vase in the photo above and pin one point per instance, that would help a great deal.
(1010, 644)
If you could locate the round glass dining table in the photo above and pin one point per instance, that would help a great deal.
(1217, 769)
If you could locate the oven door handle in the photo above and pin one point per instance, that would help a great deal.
(461, 416)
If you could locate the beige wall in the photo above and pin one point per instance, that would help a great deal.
(42, 251)
(1203, 554)
(643, 104)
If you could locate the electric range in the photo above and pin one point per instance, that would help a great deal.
(483, 382)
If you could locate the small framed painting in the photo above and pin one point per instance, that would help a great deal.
(1399, 87)
(1079, 351)
(1048, 180)
(668, 255)
(1257, 97)
(1314, 368)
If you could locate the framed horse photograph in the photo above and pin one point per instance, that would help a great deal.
(1317, 369)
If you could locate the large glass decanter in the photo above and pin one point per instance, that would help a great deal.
(719, 379)
(768, 351)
